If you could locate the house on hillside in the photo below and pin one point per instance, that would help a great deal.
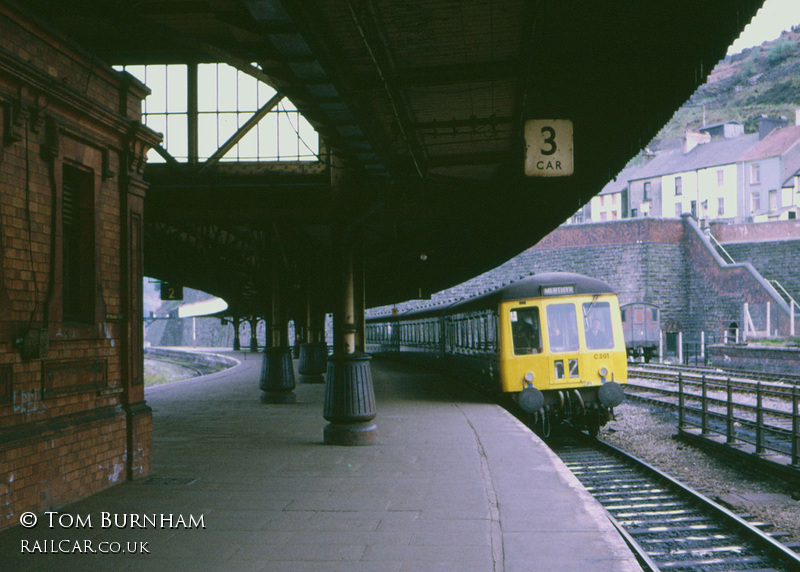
(718, 174)
(724, 130)
(704, 181)
(770, 169)
(611, 203)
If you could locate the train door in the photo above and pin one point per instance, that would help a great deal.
(522, 360)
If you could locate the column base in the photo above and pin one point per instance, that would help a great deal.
(313, 359)
(277, 376)
(350, 434)
(349, 401)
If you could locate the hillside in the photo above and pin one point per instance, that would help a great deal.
(764, 80)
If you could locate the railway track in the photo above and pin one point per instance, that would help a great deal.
(738, 378)
(671, 526)
(763, 415)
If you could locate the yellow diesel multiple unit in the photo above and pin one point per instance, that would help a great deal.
(553, 341)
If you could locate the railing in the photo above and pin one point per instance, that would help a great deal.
(771, 429)
(791, 301)
(719, 248)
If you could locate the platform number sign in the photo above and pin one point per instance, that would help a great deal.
(548, 148)
(171, 291)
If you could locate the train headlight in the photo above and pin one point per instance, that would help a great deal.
(603, 371)
(528, 377)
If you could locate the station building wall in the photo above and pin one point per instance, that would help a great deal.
(73, 419)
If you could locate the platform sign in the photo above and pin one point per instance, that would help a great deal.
(548, 148)
(171, 291)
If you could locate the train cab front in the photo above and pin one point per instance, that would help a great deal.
(566, 360)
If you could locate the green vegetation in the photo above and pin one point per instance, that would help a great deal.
(776, 342)
(157, 372)
(764, 80)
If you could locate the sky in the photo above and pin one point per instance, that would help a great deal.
(774, 17)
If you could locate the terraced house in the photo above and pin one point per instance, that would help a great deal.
(716, 173)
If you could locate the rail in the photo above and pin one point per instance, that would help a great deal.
(784, 293)
(676, 527)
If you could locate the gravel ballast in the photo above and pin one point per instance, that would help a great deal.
(650, 434)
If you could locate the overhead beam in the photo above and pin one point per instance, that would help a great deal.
(387, 70)
(151, 27)
(242, 131)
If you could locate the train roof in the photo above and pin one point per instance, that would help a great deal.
(543, 285)
(554, 284)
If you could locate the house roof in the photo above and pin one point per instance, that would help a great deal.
(775, 144)
(618, 183)
(720, 124)
(721, 152)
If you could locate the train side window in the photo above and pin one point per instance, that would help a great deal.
(597, 325)
(624, 315)
(471, 332)
(525, 330)
(562, 327)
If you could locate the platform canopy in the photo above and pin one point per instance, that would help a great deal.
(424, 104)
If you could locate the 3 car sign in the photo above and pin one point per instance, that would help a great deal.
(548, 148)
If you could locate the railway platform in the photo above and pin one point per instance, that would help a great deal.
(452, 484)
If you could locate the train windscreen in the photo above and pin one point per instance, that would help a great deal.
(597, 325)
(562, 327)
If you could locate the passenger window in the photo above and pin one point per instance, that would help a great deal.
(562, 327)
(597, 326)
(525, 331)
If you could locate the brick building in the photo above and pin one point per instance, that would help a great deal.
(73, 420)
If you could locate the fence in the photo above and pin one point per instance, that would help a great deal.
(762, 427)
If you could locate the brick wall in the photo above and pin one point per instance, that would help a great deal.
(754, 358)
(774, 259)
(642, 259)
(664, 262)
(72, 414)
(756, 232)
(719, 291)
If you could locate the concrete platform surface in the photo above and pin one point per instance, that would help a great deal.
(453, 484)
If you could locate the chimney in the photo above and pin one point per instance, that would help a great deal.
(693, 139)
(767, 125)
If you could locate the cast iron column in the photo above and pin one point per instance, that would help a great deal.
(349, 396)
(253, 334)
(237, 341)
(314, 352)
(277, 370)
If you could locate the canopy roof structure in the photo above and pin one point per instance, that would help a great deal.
(421, 108)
